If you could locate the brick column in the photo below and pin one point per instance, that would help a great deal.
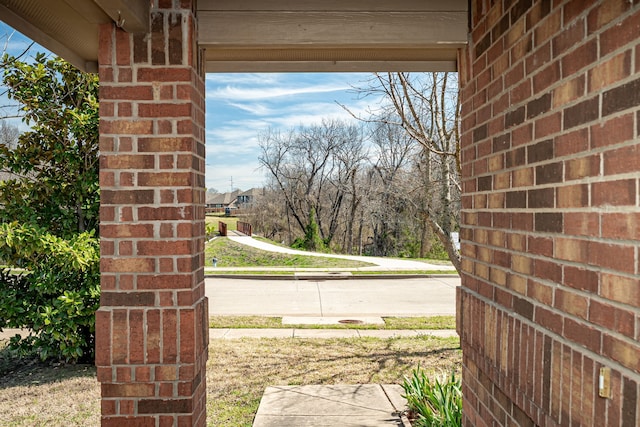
(551, 212)
(151, 344)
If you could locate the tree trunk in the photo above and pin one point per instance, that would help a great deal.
(425, 241)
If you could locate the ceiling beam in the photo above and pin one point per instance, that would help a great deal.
(330, 60)
(130, 15)
(328, 67)
(331, 35)
(335, 5)
(332, 29)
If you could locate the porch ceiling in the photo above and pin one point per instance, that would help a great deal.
(275, 35)
(70, 27)
(332, 35)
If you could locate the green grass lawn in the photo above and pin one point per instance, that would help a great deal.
(233, 254)
(242, 369)
(260, 322)
(232, 222)
(238, 371)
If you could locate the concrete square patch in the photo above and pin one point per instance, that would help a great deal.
(364, 405)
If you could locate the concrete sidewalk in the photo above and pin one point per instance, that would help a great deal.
(229, 334)
(378, 263)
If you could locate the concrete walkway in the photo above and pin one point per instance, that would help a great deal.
(361, 405)
(380, 263)
(230, 334)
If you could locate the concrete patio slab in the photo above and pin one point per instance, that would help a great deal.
(364, 405)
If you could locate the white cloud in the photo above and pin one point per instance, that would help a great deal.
(243, 106)
(244, 78)
(314, 112)
(232, 141)
(253, 108)
(236, 93)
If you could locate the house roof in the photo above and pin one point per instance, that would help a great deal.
(222, 198)
(253, 192)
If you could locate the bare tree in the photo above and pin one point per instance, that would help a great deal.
(9, 134)
(311, 166)
(427, 107)
(10, 110)
(394, 151)
(266, 217)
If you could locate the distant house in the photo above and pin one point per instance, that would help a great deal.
(222, 200)
(248, 198)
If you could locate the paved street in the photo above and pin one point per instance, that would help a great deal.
(350, 297)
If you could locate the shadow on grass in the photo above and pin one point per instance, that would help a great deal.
(242, 369)
(386, 358)
(16, 371)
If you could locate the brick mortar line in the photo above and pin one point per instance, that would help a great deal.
(517, 393)
(581, 239)
(559, 338)
(582, 293)
(557, 235)
(601, 178)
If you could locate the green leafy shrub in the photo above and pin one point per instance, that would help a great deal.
(56, 294)
(50, 209)
(312, 239)
(55, 162)
(210, 230)
(437, 250)
(433, 404)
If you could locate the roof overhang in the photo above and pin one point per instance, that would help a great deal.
(70, 27)
(264, 36)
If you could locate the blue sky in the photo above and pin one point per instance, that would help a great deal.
(242, 106)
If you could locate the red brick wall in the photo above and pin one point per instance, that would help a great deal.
(551, 212)
(152, 330)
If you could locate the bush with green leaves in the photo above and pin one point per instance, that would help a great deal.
(435, 403)
(55, 293)
(54, 163)
(49, 209)
(312, 240)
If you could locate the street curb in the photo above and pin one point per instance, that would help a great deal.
(316, 278)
